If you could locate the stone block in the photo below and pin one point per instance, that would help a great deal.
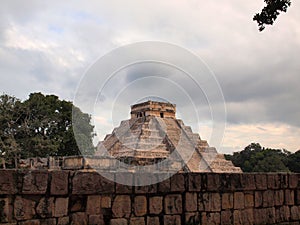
(278, 197)
(59, 182)
(248, 181)
(289, 197)
(282, 214)
(268, 198)
(121, 180)
(261, 181)
(77, 203)
(96, 220)
(61, 207)
(8, 182)
(140, 205)
(238, 200)
(118, 222)
(297, 192)
(155, 205)
(49, 221)
(105, 202)
(293, 181)
(284, 181)
(79, 218)
(35, 182)
(172, 220)
(226, 217)
(191, 201)
(210, 218)
(30, 222)
(91, 183)
(273, 181)
(212, 182)
(164, 186)
(247, 216)
(93, 205)
(145, 183)
(137, 221)
(63, 220)
(258, 199)
(177, 183)
(295, 213)
(192, 218)
(153, 220)
(6, 210)
(24, 209)
(45, 207)
(249, 199)
(227, 201)
(121, 206)
(237, 217)
(211, 202)
(173, 204)
(194, 182)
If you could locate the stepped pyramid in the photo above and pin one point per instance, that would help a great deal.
(153, 135)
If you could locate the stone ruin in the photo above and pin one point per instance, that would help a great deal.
(154, 136)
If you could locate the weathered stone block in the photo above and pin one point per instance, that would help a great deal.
(45, 207)
(164, 186)
(172, 220)
(173, 204)
(77, 203)
(211, 201)
(191, 201)
(141, 181)
(61, 207)
(30, 222)
(239, 200)
(273, 181)
(295, 213)
(155, 205)
(248, 181)
(192, 218)
(6, 210)
(91, 183)
(24, 209)
(258, 199)
(140, 205)
(105, 202)
(63, 220)
(153, 220)
(247, 216)
(268, 198)
(93, 205)
(249, 199)
(279, 197)
(237, 217)
(118, 222)
(194, 182)
(8, 182)
(213, 182)
(289, 197)
(35, 182)
(293, 180)
(227, 201)
(210, 218)
(137, 221)
(79, 218)
(59, 182)
(226, 217)
(50, 221)
(121, 180)
(177, 182)
(261, 181)
(96, 220)
(282, 214)
(121, 206)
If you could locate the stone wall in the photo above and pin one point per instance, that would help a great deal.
(84, 197)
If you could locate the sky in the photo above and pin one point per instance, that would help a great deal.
(48, 47)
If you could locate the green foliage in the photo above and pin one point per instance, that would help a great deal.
(41, 126)
(255, 158)
(294, 162)
(270, 12)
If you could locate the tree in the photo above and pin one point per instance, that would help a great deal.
(294, 162)
(42, 126)
(270, 12)
(255, 158)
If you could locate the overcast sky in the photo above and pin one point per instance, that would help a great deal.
(48, 46)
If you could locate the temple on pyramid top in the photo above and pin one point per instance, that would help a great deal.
(153, 135)
(152, 108)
